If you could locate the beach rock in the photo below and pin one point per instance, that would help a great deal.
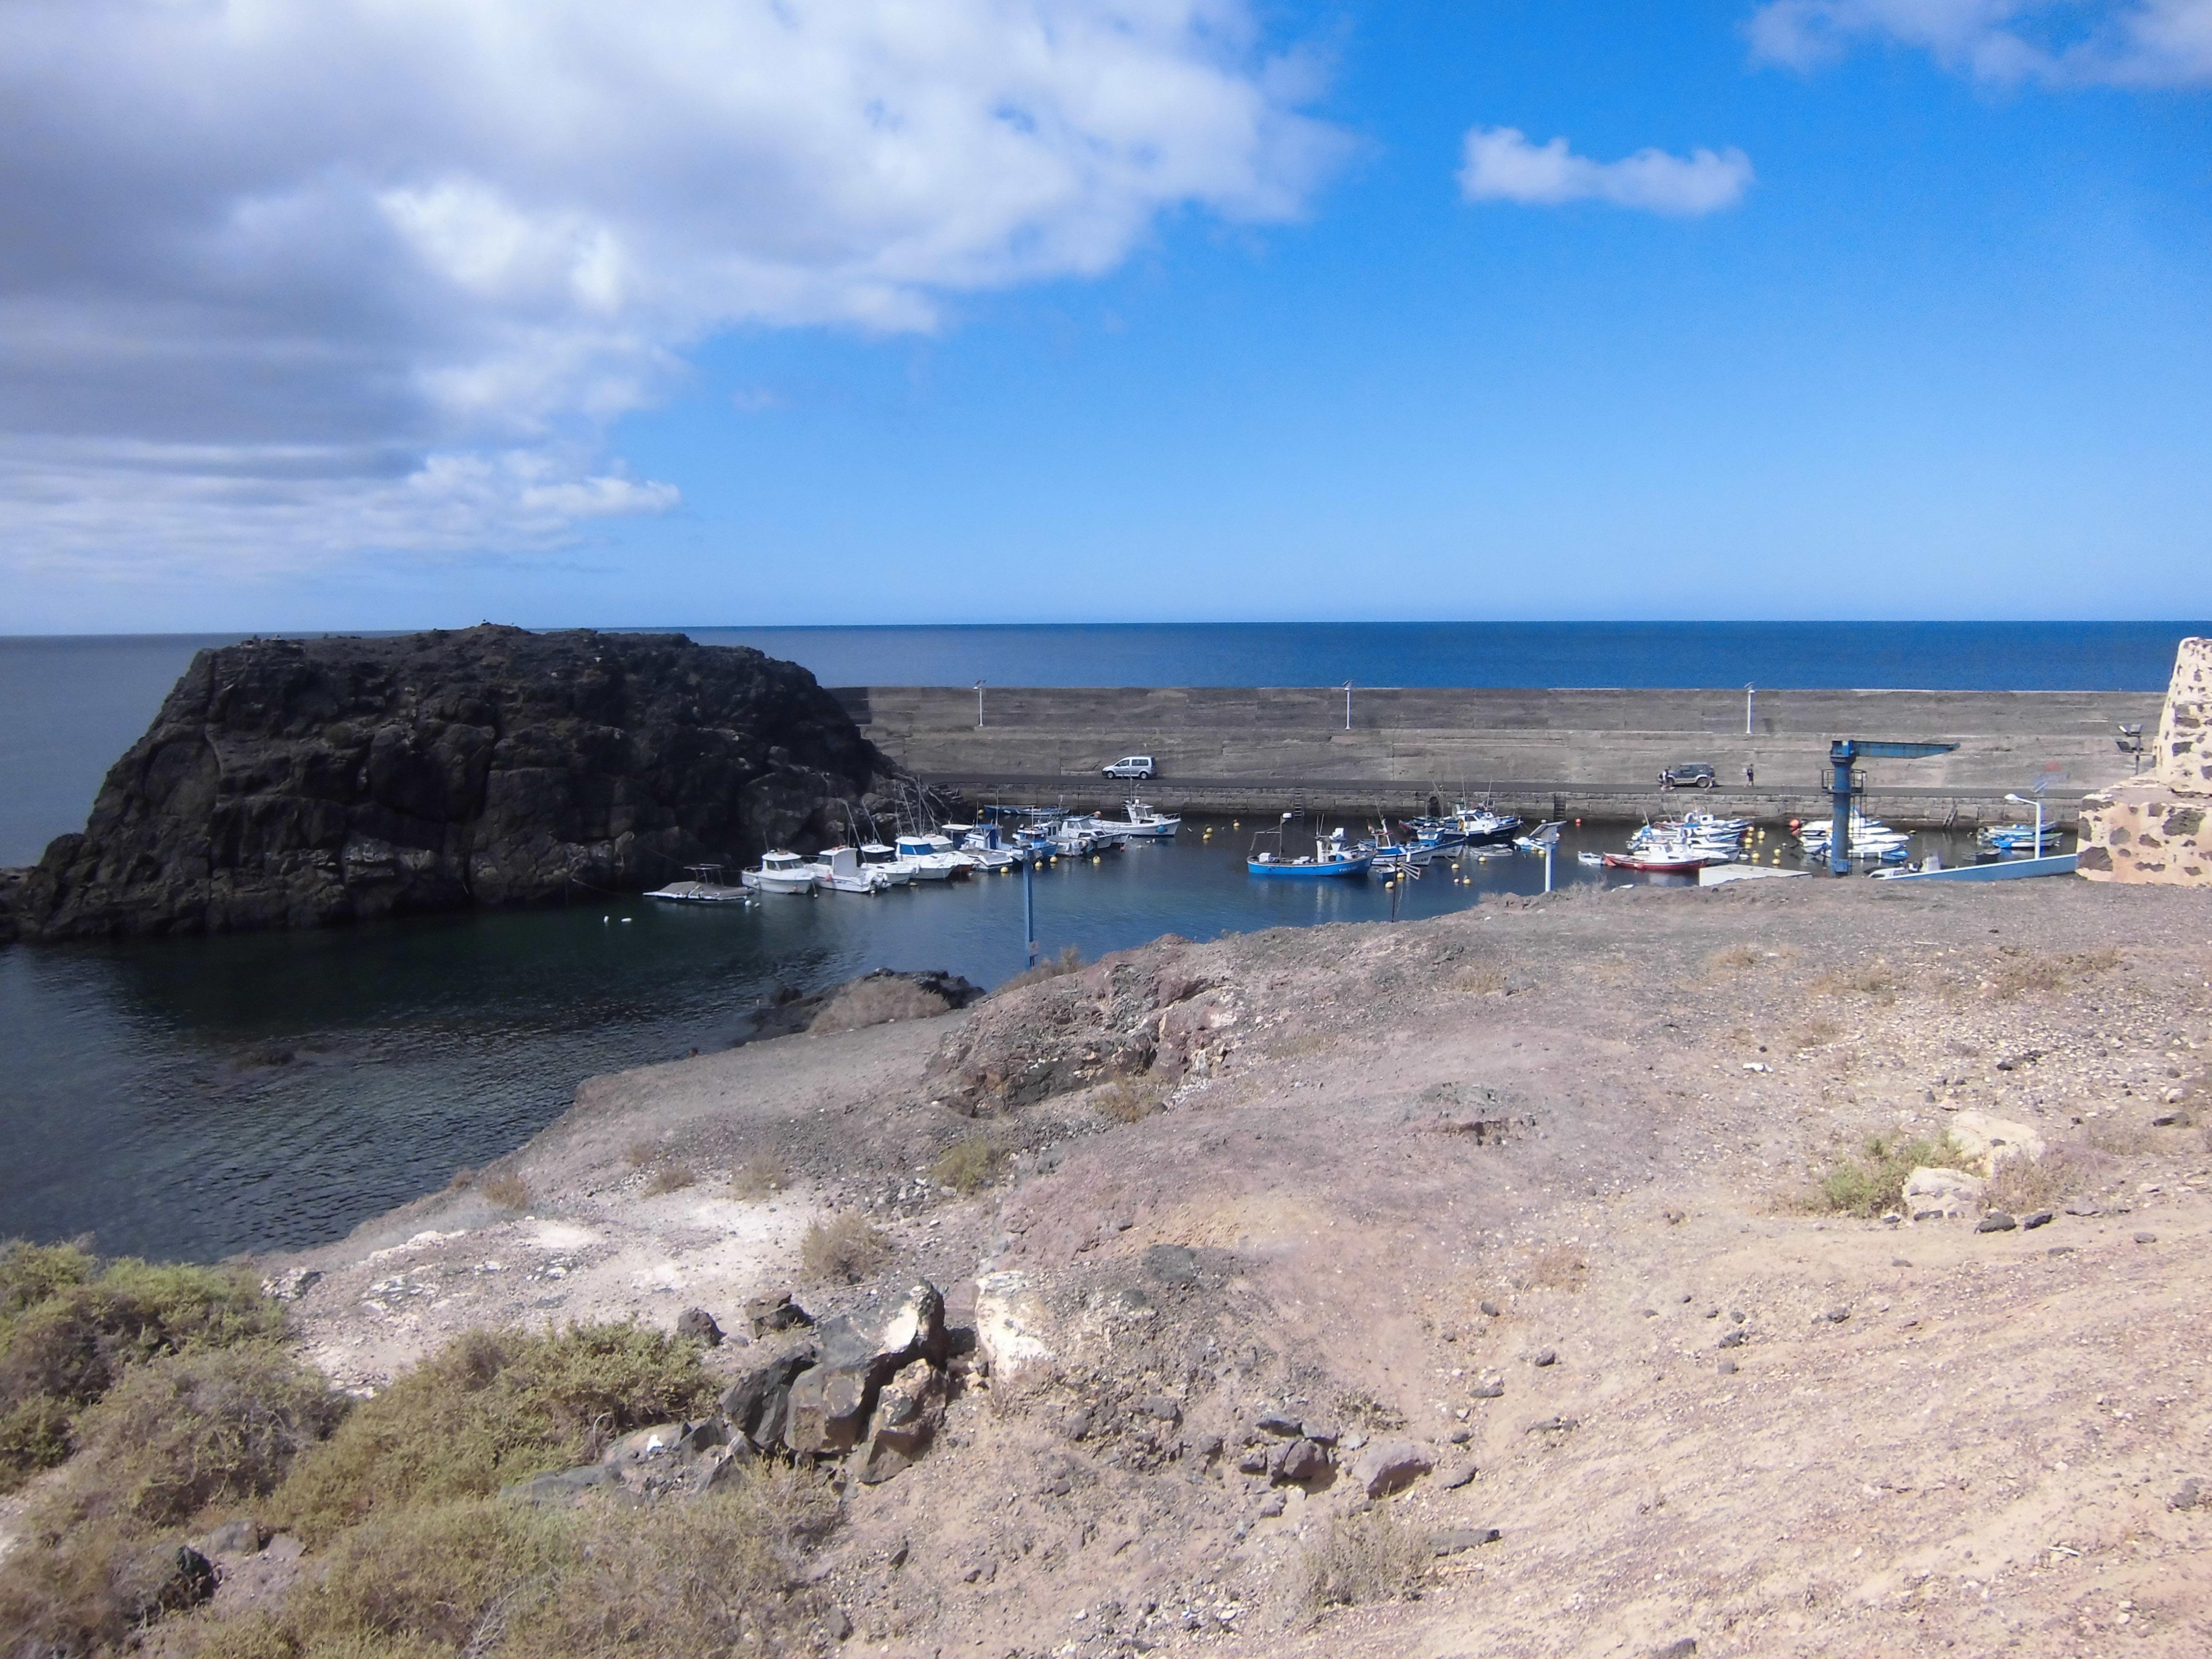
(1458, 1474)
(1544, 1357)
(1390, 1465)
(757, 1404)
(2039, 1219)
(1989, 1140)
(1452, 1541)
(1941, 1195)
(699, 1325)
(240, 1537)
(1012, 1327)
(1298, 1461)
(1996, 1221)
(298, 783)
(856, 1355)
(776, 1313)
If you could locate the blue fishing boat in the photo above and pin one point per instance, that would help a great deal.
(1330, 859)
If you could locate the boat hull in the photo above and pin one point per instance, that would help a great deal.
(1660, 864)
(1307, 870)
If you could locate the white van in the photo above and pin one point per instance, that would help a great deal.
(1129, 766)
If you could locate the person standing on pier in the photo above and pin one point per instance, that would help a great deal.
(1749, 777)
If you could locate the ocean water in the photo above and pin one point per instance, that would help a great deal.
(197, 1098)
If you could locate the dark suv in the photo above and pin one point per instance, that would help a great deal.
(1691, 775)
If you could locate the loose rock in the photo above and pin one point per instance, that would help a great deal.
(1996, 1221)
(1453, 1540)
(698, 1325)
(1545, 1357)
(1390, 1465)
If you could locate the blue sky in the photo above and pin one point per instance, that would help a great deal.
(1923, 333)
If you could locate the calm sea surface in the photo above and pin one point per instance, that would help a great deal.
(195, 1098)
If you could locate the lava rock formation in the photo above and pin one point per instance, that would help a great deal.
(291, 783)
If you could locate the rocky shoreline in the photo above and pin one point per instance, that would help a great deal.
(1495, 1248)
(306, 783)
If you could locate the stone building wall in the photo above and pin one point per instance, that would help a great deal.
(2158, 829)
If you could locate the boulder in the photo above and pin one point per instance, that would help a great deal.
(1012, 1329)
(1941, 1194)
(698, 1325)
(1390, 1465)
(757, 1403)
(1988, 1140)
(776, 1313)
(909, 1411)
(1298, 1461)
(857, 1353)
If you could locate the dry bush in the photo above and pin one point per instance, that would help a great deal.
(69, 1325)
(2119, 1137)
(969, 1165)
(1734, 957)
(1557, 1267)
(1301, 1046)
(844, 1249)
(1131, 1100)
(1876, 982)
(670, 1178)
(1815, 1033)
(639, 1154)
(2070, 1168)
(758, 1176)
(1066, 961)
(175, 1436)
(716, 1574)
(1356, 1560)
(1871, 1182)
(490, 1408)
(1478, 982)
(2018, 974)
(874, 1001)
(506, 1190)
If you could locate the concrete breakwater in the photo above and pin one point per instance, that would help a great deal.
(1584, 752)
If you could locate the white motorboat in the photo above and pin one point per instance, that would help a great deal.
(839, 870)
(894, 869)
(705, 887)
(989, 846)
(781, 872)
(1138, 822)
(932, 858)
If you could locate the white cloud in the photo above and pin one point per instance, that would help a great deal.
(2061, 42)
(1501, 164)
(322, 277)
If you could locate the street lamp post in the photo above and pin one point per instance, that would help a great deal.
(1347, 705)
(979, 705)
(1749, 692)
(2038, 805)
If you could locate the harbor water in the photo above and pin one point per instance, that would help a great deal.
(200, 1096)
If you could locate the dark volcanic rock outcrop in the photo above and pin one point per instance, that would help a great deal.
(300, 783)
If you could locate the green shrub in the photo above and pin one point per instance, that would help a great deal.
(491, 1408)
(70, 1325)
(176, 1436)
(1872, 1183)
(969, 1165)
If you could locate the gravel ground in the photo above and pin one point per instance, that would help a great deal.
(1380, 1173)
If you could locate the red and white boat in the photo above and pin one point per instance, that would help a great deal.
(1666, 858)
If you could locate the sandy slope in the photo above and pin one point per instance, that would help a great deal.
(1978, 1458)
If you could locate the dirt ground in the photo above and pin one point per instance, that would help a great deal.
(1599, 1115)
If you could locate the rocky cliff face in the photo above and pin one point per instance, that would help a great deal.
(300, 783)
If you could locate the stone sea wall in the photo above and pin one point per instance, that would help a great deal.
(2158, 830)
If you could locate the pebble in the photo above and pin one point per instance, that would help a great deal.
(1458, 1474)
(1491, 1390)
(1452, 1541)
(1687, 1648)
(1491, 1307)
(1996, 1221)
(2146, 1238)
(1460, 1437)
(2060, 1249)
(1551, 1357)
(1271, 1506)
(2190, 1495)
(1736, 1314)
(1837, 1315)
(1735, 1339)
(1079, 1425)
(1899, 1261)
(1552, 1426)
(1728, 1368)
(2040, 1218)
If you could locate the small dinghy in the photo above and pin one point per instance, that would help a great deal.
(705, 887)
